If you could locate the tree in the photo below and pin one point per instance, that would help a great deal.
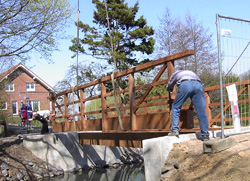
(175, 35)
(205, 57)
(87, 73)
(130, 36)
(29, 26)
(169, 40)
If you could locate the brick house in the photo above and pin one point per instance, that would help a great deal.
(21, 84)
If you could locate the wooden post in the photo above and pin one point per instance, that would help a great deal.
(104, 107)
(66, 101)
(83, 121)
(53, 121)
(207, 108)
(131, 91)
(171, 70)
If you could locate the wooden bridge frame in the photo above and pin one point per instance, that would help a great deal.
(138, 125)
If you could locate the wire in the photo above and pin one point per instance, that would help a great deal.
(237, 59)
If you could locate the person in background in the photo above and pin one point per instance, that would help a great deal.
(189, 86)
(28, 108)
(43, 117)
(22, 114)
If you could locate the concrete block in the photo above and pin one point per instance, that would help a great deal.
(218, 144)
(63, 151)
(156, 151)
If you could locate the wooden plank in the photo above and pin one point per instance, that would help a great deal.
(217, 87)
(83, 121)
(104, 107)
(228, 104)
(66, 109)
(157, 77)
(142, 67)
(59, 107)
(131, 80)
(207, 108)
(159, 103)
(171, 70)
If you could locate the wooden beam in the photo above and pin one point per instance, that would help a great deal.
(142, 67)
(104, 107)
(66, 100)
(217, 87)
(131, 81)
(207, 108)
(83, 121)
(157, 77)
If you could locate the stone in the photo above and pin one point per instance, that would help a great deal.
(51, 174)
(38, 175)
(20, 175)
(242, 154)
(176, 165)
(166, 175)
(46, 175)
(58, 172)
(4, 166)
(116, 165)
(35, 167)
(166, 169)
(30, 163)
(5, 173)
(218, 144)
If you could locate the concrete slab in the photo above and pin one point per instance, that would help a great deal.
(218, 144)
(63, 151)
(156, 151)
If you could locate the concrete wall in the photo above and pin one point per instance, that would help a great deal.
(63, 151)
(156, 150)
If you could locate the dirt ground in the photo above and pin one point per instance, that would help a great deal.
(232, 164)
(18, 158)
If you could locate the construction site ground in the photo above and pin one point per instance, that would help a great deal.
(232, 164)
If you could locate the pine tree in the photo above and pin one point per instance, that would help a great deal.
(130, 36)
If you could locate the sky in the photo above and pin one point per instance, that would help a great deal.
(204, 10)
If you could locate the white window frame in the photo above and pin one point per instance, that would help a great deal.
(38, 104)
(16, 108)
(9, 87)
(5, 106)
(28, 87)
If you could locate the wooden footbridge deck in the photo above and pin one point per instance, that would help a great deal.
(142, 117)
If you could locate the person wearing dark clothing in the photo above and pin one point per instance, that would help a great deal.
(189, 86)
(43, 120)
(29, 113)
(23, 114)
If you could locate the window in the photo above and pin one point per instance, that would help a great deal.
(9, 87)
(35, 105)
(30, 86)
(3, 105)
(14, 107)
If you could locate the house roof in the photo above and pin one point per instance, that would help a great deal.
(32, 74)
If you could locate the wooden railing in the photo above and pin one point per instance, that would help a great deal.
(243, 88)
(139, 117)
(144, 114)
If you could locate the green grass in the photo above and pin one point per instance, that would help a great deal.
(17, 120)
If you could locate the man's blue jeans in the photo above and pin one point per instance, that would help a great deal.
(195, 91)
